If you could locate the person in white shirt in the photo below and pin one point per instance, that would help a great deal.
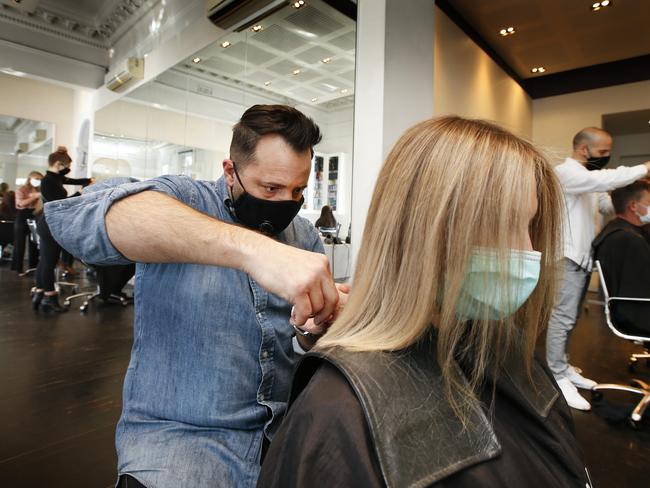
(582, 176)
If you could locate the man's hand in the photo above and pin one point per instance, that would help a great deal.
(647, 165)
(302, 278)
(319, 329)
(307, 342)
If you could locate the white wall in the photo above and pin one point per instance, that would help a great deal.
(138, 121)
(557, 119)
(468, 83)
(36, 100)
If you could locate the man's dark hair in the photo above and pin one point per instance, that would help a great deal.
(297, 130)
(630, 193)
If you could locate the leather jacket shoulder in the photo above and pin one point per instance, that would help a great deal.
(407, 413)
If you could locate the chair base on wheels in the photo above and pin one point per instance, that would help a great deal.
(634, 358)
(89, 296)
(637, 386)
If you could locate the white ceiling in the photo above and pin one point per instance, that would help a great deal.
(291, 39)
(91, 21)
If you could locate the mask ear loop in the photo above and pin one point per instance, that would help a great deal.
(234, 166)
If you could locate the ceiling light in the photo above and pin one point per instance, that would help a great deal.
(315, 99)
(595, 7)
(296, 71)
(257, 28)
(196, 60)
(507, 31)
(326, 60)
(225, 44)
(298, 4)
(538, 69)
(267, 83)
(344, 91)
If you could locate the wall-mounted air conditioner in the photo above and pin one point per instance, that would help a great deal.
(131, 69)
(23, 147)
(237, 15)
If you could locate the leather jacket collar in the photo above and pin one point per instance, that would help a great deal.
(403, 431)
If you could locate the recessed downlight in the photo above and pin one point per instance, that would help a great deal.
(507, 31)
(296, 72)
(257, 28)
(267, 83)
(298, 4)
(225, 44)
(596, 6)
(315, 99)
(538, 69)
(196, 60)
(326, 60)
(344, 91)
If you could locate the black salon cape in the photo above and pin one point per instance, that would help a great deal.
(624, 254)
(325, 442)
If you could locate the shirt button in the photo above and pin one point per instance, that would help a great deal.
(265, 354)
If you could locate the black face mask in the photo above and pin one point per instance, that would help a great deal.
(594, 164)
(64, 171)
(269, 217)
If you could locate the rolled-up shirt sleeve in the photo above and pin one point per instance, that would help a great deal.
(78, 224)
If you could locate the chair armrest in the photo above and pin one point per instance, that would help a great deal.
(628, 299)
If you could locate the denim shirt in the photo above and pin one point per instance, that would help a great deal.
(212, 353)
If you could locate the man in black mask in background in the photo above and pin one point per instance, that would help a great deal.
(582, 176)
(219, 266)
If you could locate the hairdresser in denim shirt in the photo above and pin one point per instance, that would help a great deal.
(212, 356)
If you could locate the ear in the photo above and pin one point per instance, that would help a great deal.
(229, 172)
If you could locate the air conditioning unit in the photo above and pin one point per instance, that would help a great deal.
(133, 68)
(237, 15)
(23, 147)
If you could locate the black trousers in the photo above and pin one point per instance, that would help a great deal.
(50, 252)
(21, 234)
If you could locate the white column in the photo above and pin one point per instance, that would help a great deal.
(83, 122)
(393, 88)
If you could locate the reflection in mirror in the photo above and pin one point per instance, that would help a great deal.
(181, 122)
(24, 147)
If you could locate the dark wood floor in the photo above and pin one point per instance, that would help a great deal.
(61, 380)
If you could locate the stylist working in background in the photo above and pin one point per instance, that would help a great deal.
(46, 298)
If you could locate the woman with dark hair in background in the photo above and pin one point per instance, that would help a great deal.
(59, 162)
(8, 206)
(27, 198)
(326, 219)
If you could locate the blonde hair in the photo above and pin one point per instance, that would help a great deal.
(448, 186)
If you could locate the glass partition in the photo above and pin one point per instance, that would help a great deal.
(181, 122)
(24, 147)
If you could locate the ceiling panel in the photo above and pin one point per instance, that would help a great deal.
(290, 39)
(312, 20)
(279, 38)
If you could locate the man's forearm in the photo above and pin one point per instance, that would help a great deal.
(152, 227)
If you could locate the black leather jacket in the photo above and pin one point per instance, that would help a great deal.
(418, 440)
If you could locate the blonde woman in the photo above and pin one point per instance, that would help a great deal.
(28, 197)
(428, 377)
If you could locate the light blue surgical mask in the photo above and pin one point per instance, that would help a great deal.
(483, 292)
(645, 219)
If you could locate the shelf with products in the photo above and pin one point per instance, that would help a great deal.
(324, 182)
